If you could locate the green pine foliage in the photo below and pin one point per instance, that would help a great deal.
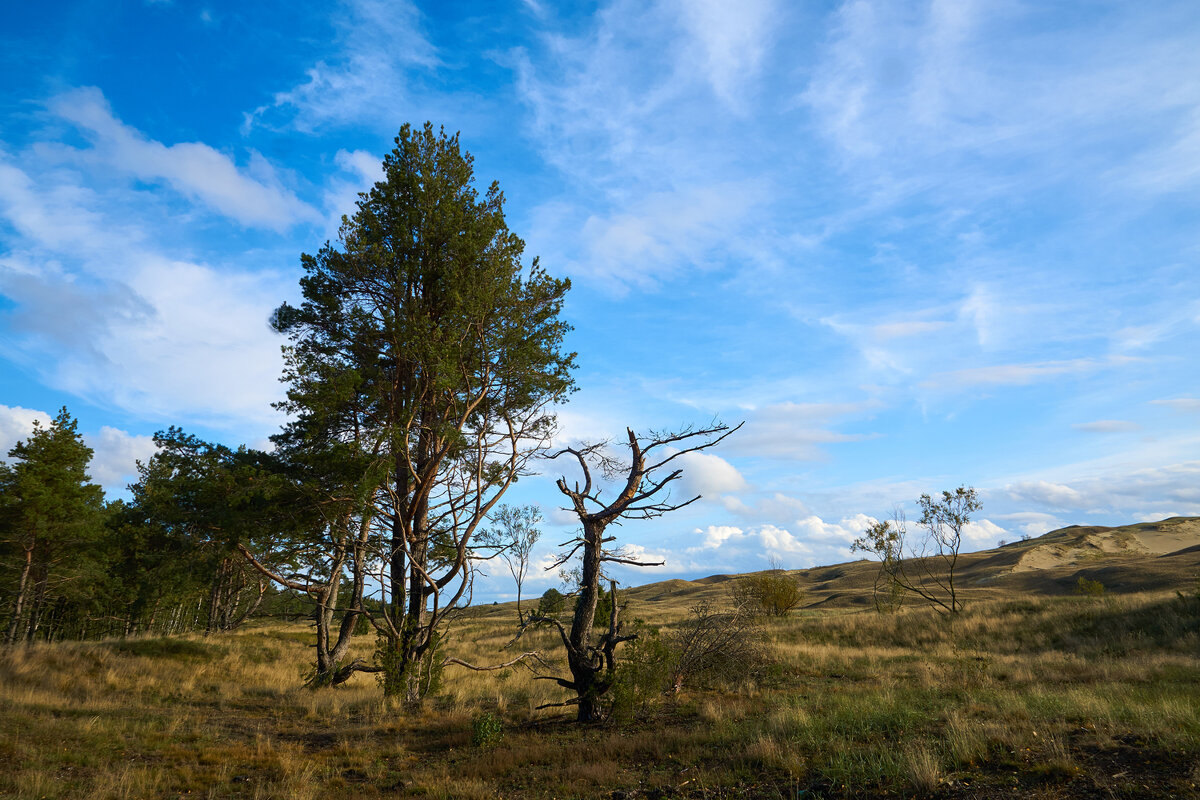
(51, 521)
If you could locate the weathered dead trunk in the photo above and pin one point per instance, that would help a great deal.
(585, 663)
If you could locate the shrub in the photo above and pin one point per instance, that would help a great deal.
(487, 730)
(712, 648)
(643, 674)
(552, 603)
(775, 592)
(1089, 588)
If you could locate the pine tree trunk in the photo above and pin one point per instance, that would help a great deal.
(14, 623)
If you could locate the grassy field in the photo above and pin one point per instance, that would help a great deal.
(1051, 698)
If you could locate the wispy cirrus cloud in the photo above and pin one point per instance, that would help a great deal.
(732, 41)
(1019, 374)
(1107, 426)
(377, 46)
(796, 431)
(1179, 403)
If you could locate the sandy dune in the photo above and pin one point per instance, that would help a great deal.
(1083, 546)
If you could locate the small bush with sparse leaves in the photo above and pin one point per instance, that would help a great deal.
(1089, 588)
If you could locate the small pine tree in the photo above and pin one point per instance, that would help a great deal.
(50, 516)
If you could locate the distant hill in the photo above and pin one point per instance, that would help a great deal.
(1146, 556)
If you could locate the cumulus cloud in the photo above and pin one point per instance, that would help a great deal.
(715, 536)
(114, 452)
(115, 457)
(192, 168)
(99, 312)
(708, 475)
(649, 559)
(1045, 493)
(842, 533)
(16, 423)
(779, 541)
(982, 532)
(1133, 493)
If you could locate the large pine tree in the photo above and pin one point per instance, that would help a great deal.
(424, 340)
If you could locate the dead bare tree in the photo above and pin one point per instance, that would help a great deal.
(644, 495)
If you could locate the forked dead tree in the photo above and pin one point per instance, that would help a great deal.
(644, 495)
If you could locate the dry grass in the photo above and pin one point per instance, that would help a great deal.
(1049, 698)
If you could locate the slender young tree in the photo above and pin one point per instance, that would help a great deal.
(423, 331)
(924, 565)
(513, 535)
(645, 495)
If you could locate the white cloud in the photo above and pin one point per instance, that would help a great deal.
(1121, 488)
(1032, 523)
(1045, 493)
(193, 169)
(917, 95)
(661, 234)
(844, 533)
(649, 558)
(794, 431)
(114, 452)
(1180, 403)
(779, 541)
(715, 536)
(1017, 374)
(102, 314)
(563, 517)
(982, 532)
(341, 194)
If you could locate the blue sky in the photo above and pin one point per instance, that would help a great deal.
(912, 245)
